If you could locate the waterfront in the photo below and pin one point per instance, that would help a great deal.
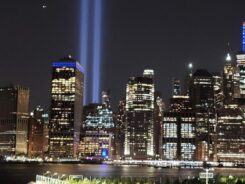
(24, 173)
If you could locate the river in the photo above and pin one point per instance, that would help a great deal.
(24, 173)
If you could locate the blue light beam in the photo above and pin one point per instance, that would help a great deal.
(243, 37)
(84, 45)
(96, 49)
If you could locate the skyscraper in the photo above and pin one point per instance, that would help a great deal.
(202, 101)
(159, 107)
(37, 133)
(14, 107)
(97, 135)
(178, 129)
(218, 90)
(106, 98)
(120, 128)
(66, 108)
(229, 82)
(230, 137)
(179, 135)
(176, 87)
(139, 126)
(241, 66)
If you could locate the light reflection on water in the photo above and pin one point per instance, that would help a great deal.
(23, 173)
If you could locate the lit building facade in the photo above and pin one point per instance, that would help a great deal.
(230, 141)
(218, 91)
(229, 82)
(37, 133)
(240, 75)
(120, 128)
(159, 108)
(66, 108)
(139, 117)
(179, 136)
(14, 115)
(98, 130)
(98, 116)
(179, 103)
(203, 103)
(176, 87)
(96, 145)
(106, 98)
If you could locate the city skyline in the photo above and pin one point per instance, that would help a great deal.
(122, 91)
(159, 35)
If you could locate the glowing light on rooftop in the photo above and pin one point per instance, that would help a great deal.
(228, 57)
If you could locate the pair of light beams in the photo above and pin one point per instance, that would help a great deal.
(91, 23)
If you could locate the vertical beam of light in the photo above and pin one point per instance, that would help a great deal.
(84, 45)
(243, 37)
(96, 49)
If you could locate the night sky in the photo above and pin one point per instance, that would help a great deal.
(161, 34)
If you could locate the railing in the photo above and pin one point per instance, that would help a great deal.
(48, 180)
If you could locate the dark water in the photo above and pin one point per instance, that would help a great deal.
(24, 173)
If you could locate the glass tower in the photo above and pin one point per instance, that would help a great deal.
(139, 139)
(14, 107)
(66, 108)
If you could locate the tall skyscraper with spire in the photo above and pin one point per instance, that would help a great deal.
(66, 108)
(229, 82)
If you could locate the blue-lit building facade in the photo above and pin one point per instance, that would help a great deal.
(66, 108)
(100, 118)
(98, 130)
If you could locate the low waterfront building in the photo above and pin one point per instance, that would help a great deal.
(96, 145)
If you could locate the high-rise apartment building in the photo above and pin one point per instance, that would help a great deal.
(66, 108)
(139, 117)
(14, 115)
